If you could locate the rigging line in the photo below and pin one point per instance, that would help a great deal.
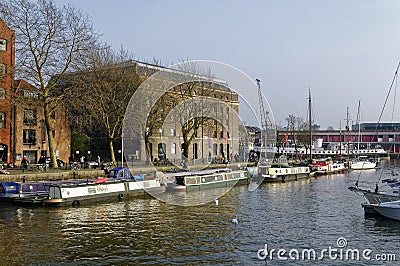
(387, 96)
(394, 98)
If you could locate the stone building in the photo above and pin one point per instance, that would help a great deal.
(214, 125)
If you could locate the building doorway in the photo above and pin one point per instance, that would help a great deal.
(3, 153)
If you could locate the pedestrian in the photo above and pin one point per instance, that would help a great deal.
(24, 163)
(98, 160)
(82, 161)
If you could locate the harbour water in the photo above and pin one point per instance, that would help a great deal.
(313, 214)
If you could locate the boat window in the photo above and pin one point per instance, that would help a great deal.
(54, 193)
(11, 187)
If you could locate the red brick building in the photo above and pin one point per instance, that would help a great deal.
(22, 128)
(7, 63)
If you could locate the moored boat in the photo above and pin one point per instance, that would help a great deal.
(21, 191)
(284, 172)
(74, 194)
(327, 166)
(377, 197)
(362, 164)
(203, 179)
(388, 209)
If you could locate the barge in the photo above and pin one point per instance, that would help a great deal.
(74, 194)
(284, 172)
(203, 179)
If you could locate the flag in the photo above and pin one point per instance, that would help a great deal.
(286, 139)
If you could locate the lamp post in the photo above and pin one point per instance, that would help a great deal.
(88, 158)
(120, 153)
(122, 150)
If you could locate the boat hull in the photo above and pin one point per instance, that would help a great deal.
(376, 198)
(363, 165)
(208, 179)
(388, 209)
(278, 174)
(62, 195)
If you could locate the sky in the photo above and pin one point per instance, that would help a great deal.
(344, 51)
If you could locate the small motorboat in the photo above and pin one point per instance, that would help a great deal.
(388, 209)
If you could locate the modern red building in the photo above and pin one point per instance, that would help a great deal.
(370, 136)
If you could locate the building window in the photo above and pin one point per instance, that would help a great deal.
(2, 69)
(3, 45)
(173, 148)
(29, 137)
(173, 132)
(2, 120)
(30, 117)
(2, 93)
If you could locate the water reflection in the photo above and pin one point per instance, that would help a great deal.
(309, 213)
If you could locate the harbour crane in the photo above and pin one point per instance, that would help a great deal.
(264, 121)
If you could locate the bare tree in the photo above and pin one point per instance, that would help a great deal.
(49, 41)
(102, 91)
(298, 129)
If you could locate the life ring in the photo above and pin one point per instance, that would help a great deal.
(76, 203)
(120, 196)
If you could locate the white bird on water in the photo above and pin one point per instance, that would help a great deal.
(235, 220)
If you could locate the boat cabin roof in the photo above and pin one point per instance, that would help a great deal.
(121, 172)
(9, 187)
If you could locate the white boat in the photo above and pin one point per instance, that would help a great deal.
(389, 193)
(362, 165)
(284, 172)
(388, 209)
(74, 194)
(327, 166)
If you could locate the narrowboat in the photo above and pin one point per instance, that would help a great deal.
(99, 189)
(203, 179)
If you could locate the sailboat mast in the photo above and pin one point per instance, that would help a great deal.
(310, 121)
(348, 132)
(340, 139)
(358, 125)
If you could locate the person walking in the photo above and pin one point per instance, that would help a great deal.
(24, 163)
(82, 161)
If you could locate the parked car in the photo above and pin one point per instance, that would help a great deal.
(47, 160)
